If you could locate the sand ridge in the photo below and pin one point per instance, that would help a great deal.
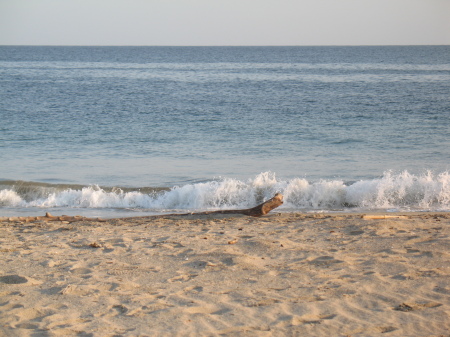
(280, 275)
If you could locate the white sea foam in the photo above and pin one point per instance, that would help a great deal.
(402, 191)
(10, 198)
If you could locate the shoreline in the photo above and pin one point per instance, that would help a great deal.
(356, 213)
(295, 274)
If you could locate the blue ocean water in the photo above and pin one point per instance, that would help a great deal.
(142, 130)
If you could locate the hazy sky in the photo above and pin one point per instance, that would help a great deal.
(224, 22)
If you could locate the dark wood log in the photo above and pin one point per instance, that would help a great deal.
(257, 211)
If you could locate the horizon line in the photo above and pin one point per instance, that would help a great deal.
(245, 46)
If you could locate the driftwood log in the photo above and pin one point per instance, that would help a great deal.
(257, 211)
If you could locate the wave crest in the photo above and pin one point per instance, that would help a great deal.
(404, 191)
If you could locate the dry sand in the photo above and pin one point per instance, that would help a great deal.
(279, 275)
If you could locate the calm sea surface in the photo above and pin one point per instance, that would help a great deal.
(140, 130)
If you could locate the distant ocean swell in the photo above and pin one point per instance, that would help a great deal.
(392, 191)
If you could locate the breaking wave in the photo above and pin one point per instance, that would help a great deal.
(398, 191)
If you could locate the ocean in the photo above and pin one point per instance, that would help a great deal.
(128, 131)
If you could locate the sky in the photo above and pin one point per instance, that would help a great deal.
(224, 22)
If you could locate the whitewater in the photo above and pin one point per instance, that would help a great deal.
(391, 192)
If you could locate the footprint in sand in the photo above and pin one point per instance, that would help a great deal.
(290, 320)
(182, 278)
(81, 272)
(386, 329)
(120, 308)
(193, 289)
(406, 307)
(359, 232)
(13, 279)
(80, 290)
(17, 279)
(260, 302)
(199, 264)
(324, 261)
(124, 270)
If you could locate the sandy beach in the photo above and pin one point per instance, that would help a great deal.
(227, 275)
